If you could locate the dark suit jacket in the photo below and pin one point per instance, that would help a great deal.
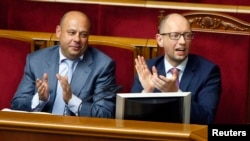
(202, 78)
(92, 74)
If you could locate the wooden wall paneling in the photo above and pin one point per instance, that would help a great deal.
(225, 6)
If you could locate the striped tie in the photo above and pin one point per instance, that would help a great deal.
(177, 80)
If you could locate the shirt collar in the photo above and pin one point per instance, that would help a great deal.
(62, 57)
(180, 67)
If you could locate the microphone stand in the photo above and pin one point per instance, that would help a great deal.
(112, 89)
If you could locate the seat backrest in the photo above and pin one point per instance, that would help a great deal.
(225, 40)
(123, 55)
(14, 50)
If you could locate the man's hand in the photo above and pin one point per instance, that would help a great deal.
(66, 89)
(43, 87)
(165, 84)
(144, 74)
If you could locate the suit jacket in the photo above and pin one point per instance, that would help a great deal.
(93, 74)
(202, 78)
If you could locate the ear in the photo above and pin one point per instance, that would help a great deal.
(58, 31)
(159, 40)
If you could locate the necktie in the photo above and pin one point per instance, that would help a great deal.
(70, 65)
(70, 73)
(65, 68)
(177, 80)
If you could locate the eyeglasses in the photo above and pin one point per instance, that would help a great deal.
(177, 35)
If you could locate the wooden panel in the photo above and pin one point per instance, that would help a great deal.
(34, 35)
(40, 127)
(217, 23)
(46, 39)
(40, 39)
(122, 42)
(10, 35)
(163, 5)
(152, 49)
(214, 22)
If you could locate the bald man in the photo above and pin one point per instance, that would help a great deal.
(50, 85)
(178, 70)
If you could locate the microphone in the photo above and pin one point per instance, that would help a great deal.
(109, 88)
(112, 89)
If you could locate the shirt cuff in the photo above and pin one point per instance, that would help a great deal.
(74, 104)
(36, 104)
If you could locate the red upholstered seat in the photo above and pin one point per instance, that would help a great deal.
(124, 55)
(13, 52)
(231, 53)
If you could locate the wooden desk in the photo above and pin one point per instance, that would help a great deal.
(16, 126)
(200, 135)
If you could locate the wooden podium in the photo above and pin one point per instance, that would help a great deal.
(21, 126)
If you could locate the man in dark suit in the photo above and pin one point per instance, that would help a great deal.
(89, 91)
(190, 73)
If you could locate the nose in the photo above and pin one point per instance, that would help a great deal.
(182, 40)
(76, 38)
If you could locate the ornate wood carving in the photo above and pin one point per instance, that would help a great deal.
(215, 22)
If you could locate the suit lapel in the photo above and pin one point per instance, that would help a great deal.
(81, 73)
(188, 73)
(52, 63)
(161, 67)
(51, 68)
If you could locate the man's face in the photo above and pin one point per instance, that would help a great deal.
(73, 35)
(176, 50)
